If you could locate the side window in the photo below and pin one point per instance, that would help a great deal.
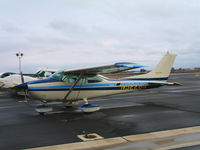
(72, 79)
(82, 80)
(94, 79)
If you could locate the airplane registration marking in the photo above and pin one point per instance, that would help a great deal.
(134, 85)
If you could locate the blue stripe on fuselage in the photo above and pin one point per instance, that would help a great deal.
(77, 89)
(69, 86)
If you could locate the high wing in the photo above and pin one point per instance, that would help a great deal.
(113, 68)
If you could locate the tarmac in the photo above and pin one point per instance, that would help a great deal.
(141, 112)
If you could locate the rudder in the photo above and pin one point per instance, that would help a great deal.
(161, 71)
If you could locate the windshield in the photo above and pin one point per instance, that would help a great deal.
(59, 76)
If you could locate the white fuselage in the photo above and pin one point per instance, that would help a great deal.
(69, 85)
(56, 91)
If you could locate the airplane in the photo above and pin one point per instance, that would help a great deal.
(5, 74)
(13, 80)
(39, 73)
(68, 86)
(9, 80)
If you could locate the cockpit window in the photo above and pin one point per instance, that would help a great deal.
(59, 76)
(94, 79)
(3, 75)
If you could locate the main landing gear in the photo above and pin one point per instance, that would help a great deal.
(88, 108)
(70, 104)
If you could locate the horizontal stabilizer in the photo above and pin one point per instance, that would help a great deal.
(165, 83)
(173, 84)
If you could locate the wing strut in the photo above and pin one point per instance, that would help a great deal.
(73, 86)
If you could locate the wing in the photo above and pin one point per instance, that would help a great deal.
(113, 68)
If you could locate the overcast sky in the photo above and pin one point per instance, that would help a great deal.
(76, 33)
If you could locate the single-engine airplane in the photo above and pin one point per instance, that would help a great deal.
(10, 80)
(68, 86)
(39, 73)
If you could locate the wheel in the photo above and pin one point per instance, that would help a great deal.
(89, 108)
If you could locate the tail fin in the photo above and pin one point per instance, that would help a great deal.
(162, 70)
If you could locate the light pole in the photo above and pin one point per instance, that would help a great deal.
(19, 56)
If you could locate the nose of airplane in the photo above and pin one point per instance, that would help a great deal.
(22, 86)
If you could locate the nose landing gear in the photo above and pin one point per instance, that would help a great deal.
(88, 108)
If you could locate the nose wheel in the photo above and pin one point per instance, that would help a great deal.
(88, 108)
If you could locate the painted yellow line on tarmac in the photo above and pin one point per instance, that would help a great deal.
(161, 140)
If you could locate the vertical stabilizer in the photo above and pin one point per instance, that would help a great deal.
(161, 71)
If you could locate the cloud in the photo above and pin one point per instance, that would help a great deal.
(63, 34)
(10, 28)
